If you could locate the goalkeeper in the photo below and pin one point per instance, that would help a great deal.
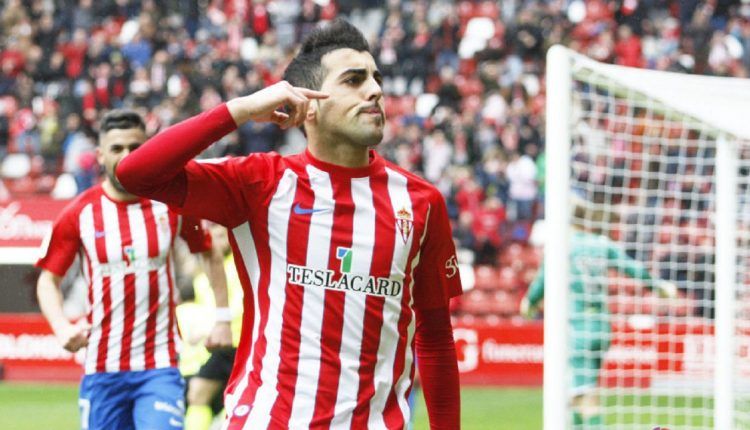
(592, 256)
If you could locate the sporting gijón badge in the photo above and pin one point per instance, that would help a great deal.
(405, 223)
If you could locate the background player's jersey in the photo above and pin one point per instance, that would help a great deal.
(591, 258)
(334, 261)
(125, 250)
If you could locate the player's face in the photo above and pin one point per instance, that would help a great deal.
(354, 110)
(114, 145)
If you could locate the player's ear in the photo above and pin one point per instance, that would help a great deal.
(99, 155)
(312, 111)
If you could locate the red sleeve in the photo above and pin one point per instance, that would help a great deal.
(438, 368)
(195, 234)
(60, 247)
(436, 277)
(226, 191)
(157, 169)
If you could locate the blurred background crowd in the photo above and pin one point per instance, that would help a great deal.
(464, 83)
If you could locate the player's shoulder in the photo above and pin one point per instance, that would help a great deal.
(253, 162)
(418, 186)
(89, 197)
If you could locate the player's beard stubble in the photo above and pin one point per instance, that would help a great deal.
(113, 179)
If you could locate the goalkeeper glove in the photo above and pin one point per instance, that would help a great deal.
(667, 289)
(525, 308)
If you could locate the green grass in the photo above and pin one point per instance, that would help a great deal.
(38, 407)
(54, 407)
(493, 408)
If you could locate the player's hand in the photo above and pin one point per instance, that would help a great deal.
(220, 337)
(74, 336)
(265, 105)
(525, 308)
(666, 289)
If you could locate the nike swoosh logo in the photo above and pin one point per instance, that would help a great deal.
(175, 423)
(98, 234)
(299, 210)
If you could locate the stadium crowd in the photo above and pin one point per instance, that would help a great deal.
(465, 96)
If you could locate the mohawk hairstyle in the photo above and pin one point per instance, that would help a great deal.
(121, 119)
(305, 70)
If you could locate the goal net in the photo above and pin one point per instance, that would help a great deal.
(648, 188)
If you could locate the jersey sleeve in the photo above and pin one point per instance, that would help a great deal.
(195, 234)
(225, 191)
(436, 277)
(624, 264)
(59, 249)
(535, 294)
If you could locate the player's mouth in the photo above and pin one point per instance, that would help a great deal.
(371, 110)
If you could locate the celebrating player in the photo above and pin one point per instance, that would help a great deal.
(347, 259)
(125, 243)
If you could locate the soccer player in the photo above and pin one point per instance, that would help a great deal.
(125, 242)
(346, 260)
(592, 256)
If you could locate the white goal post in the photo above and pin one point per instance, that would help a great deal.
(660, 164)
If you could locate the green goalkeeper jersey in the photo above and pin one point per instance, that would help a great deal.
(591, 258)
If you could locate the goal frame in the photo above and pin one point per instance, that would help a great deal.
(556, 399)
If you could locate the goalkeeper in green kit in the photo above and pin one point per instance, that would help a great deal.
(592, 256)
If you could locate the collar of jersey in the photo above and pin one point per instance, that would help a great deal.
(376, 163)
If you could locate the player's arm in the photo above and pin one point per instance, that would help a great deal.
(71, 336)
(213, 265)
(438, 367)
(534, 295)
(58, 251)
(157, 169)
(200, 242)
(437, 279)
(632, 268)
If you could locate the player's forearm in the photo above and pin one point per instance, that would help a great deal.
(51, 300)
(438, 368)
(157, 167)
(213, 265)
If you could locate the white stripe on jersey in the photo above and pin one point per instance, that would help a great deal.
(243, 235)
(140, 244)
(311, 326)
(86, 225)
(117, 284)
(363, 242)
(278, 224)
(164, 235)
(404, 382)
(389, 335)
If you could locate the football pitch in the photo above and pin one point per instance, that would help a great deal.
(54, 407)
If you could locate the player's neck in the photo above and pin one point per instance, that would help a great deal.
(340, 153)
(115, 194)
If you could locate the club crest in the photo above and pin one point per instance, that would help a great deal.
(405, 223)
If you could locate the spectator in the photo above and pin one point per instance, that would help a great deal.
(521, 173)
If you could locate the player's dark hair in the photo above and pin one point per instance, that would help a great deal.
(305, 70)
(121, 119)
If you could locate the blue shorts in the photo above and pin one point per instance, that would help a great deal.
(144, 400)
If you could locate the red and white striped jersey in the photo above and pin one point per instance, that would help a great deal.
(333, 261)
(125, 250)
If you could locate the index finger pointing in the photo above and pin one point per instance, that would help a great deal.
(312, 94)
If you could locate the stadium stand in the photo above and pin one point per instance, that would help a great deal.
(464, 81)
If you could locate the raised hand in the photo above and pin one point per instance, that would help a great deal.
(265, 105)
